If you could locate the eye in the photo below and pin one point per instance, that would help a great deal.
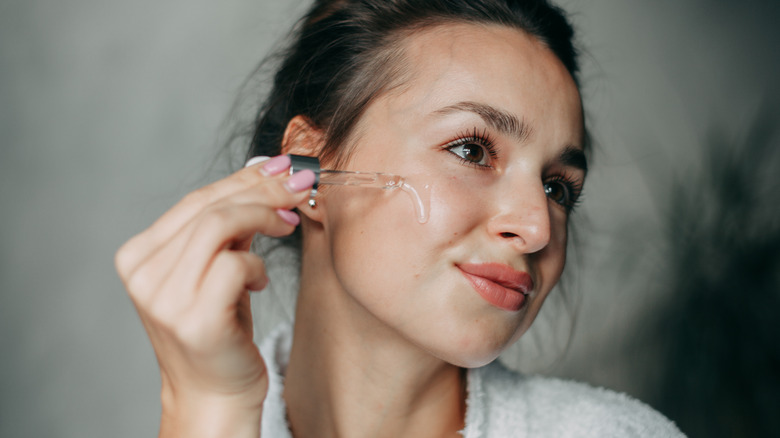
(563, 191)
(475, 148)
(473, 153)
(557, 192)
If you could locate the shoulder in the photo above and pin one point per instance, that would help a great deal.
(518, 405)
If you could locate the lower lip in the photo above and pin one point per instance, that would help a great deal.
(495, 294)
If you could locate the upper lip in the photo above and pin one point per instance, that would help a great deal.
(500, 274)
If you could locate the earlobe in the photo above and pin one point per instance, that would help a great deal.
(301, 137)
(312, 209)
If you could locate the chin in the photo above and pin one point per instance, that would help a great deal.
(471, 357)
(472, 362)
(473, 347)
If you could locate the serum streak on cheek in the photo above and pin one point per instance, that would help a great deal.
(421, 198)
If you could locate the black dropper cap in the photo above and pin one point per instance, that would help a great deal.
(301, 162)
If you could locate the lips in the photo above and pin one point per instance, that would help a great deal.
(499, 284)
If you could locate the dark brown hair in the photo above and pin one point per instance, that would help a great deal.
(345, 53)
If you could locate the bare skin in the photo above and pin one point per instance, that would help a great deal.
(189, 276)
(388, 348)
(385, 320)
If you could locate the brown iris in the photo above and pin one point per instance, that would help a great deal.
(557, 192)
(473, 153)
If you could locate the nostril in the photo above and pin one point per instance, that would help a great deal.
(508, 235)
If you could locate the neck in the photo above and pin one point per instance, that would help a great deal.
(352, 376)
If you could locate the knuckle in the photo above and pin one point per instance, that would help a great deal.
(122, 260)
(250, 177)
(127, 256)
(198, 197)
(140, 284)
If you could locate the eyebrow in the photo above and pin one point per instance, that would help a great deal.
(573, 156)
(502, 121)
(508, 124)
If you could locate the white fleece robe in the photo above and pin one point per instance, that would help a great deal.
(502, 403)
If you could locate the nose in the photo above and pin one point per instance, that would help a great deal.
(522, 217)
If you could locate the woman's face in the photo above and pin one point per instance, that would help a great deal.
(491, 120)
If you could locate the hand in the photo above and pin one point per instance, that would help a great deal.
(189, 275)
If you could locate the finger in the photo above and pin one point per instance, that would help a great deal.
(136, 249)
(229, 276)
(255, 160)
(256, 175)
(226, 280)
(222, 303)
(158, 261)
(182, 262)
(222, 228)
(144, 282)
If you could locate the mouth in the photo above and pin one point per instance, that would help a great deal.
(499, 284)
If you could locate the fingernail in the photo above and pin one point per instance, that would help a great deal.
(276, 165)
(254, 160)
(300, 181)
(289, 216)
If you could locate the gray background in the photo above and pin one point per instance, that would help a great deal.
(110, 111)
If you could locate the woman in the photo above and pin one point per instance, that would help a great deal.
(398, 320)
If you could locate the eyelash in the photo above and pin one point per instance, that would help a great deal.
(483, 139)
(573, 188)
(476, 137)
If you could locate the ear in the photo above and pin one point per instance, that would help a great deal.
(302, 138)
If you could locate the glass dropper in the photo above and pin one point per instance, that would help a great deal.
(353, 178)
(420, 194)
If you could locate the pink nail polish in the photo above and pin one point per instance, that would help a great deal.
(255, 160)
(275, 165)
(300, 181)
(289, 216)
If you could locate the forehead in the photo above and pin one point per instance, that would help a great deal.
(501, 66)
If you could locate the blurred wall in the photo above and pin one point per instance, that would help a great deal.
(110, 111)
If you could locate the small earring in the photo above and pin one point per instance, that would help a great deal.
(312, 203)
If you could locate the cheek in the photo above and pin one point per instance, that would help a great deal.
(373, 237)
(549, 266)
(383, 257)
(554, 256)
(458, 204)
